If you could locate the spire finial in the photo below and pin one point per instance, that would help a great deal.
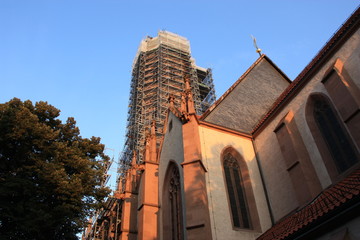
(187, 83)
(134, 158)
(153, 125)
(171, 100)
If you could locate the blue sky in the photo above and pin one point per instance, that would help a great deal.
(77, 54)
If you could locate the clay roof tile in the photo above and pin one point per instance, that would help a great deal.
(346, 192)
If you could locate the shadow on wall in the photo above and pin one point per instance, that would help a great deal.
(196, 201)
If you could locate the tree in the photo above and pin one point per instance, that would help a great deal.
(50, 177)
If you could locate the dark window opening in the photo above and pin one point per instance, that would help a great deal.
(236, 193)
(174, 193)
(170, 125)
(335, 137)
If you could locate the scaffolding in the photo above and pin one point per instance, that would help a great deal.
(159, 69)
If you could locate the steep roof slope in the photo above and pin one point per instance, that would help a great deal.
(249, 98)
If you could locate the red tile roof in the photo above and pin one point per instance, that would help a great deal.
(340, 196)
(341, 35)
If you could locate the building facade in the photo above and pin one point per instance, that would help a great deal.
(270, 159)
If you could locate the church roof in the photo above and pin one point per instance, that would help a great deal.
(337, 198)
(324, 54)
(219, 100)
(248, 100)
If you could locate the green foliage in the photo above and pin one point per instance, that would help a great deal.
(50, 177)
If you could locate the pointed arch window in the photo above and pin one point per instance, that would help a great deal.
(175, 204)
(172, 205)
(236, 192)
(334, 135)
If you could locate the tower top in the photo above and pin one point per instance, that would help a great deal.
(164, 37)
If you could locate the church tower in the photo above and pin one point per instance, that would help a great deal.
(159, 69)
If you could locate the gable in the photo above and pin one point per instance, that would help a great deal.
(242, 107)
(172, 144)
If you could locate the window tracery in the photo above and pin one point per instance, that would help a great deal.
(236, 192)
(175, 203)
(172, 204)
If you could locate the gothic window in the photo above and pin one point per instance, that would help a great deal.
(174, 197)
(334, 135)
(236, 192)
(345, 95)
(172, 205)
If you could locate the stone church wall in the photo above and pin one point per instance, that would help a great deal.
(213, 143)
